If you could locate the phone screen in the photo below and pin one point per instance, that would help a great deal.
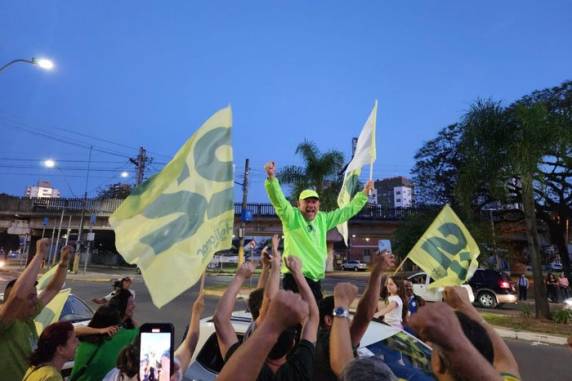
(155, 356)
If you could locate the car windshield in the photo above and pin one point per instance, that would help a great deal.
(408, 358)
(75, 310)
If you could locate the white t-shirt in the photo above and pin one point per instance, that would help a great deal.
(394, 317)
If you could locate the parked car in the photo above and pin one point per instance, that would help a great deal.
(354, 265)
(421, 282)
(407, 356)
(493, 288)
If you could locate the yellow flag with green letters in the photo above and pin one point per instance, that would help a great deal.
(172, 224)
(52, 311)
(446, 251)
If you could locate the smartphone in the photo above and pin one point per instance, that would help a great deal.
(156, 349)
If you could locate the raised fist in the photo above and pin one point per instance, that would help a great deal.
(270, 169)
(245, 270)
(344, 294)
(286, 310)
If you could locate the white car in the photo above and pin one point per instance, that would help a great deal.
(421, 288)
(407, 356)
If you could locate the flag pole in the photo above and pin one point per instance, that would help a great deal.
(400, 265)
(202, 284)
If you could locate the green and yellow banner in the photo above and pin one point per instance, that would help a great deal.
(172, 224)
(446, 251)
(52, 311)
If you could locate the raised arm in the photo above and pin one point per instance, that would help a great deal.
(504, 361)
(59, 278)
(338, 216)
(341, 352)
(367, 305)
(310, 330)
(286, 309)
(284, 209)
(265, 268)
(273, 282)
(10, 310)
(438, 324)
(224, 331)
(185, 351)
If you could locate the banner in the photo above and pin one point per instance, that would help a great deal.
(171, 225)
(364, 154)
(52, 311)
(446, 251)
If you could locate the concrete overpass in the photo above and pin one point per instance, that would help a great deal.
(36, 217)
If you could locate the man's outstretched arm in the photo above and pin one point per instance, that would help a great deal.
(341, 215)
(286, 309)
(284, 209)
(59, 278)
(224, 331)
(368, 303)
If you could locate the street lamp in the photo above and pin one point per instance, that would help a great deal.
(49, 163)
(43, 63)
(125, 174)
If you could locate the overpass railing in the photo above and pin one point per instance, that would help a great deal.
(108, 206)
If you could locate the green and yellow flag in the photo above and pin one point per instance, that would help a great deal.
(45, 279)
(446, 251)
(172, 224)
(365, 153)
(52, 311)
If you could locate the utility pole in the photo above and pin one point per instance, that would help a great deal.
(140, 162)
(75, 266)
(243, 216)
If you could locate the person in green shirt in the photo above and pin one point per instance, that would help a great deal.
(305, 228)
(18, 336)
(56, 346)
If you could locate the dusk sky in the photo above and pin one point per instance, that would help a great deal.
(142, 73)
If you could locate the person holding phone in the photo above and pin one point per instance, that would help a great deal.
(306, 227)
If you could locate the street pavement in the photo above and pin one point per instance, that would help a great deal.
(537, 361)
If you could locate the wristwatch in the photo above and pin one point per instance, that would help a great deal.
(341, 312)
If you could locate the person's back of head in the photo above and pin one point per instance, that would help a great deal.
(286, 341)
(120, 302)
(255, 302)
(326, 308)
(53, 336)
(105, 316)
(128, 361)
(367, 368)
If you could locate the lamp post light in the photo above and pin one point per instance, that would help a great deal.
(124, 174)
(43, 63)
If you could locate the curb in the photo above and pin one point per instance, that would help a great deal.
(530, 336)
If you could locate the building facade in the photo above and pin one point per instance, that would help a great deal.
(43, 189)
(394, 192)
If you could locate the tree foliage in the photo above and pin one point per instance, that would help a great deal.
(118, 190)
(321, 171)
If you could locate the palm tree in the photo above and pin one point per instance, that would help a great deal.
(321, 171)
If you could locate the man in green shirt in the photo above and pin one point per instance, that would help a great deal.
(305, 228)
(18, 336)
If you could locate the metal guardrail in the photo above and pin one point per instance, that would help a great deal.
(108, 206)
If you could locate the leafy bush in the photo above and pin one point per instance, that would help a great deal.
(526, 311)
(562, 316)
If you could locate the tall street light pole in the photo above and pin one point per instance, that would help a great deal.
(83, 205)
(43, 63)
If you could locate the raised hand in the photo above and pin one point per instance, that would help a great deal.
(384, 261)
(65, 254)
(42, 246)
(109, 331)
(456, 297)
(286, 310)
(368, 187)
(294, 264)
(344, 294)
(245, 270)
(266, 257)
(270, 169)
(276, 255)
(437, 323)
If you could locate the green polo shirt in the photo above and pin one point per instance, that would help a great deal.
(307, 239)
(17, 341)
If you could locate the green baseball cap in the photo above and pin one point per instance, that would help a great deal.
(308, 193)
